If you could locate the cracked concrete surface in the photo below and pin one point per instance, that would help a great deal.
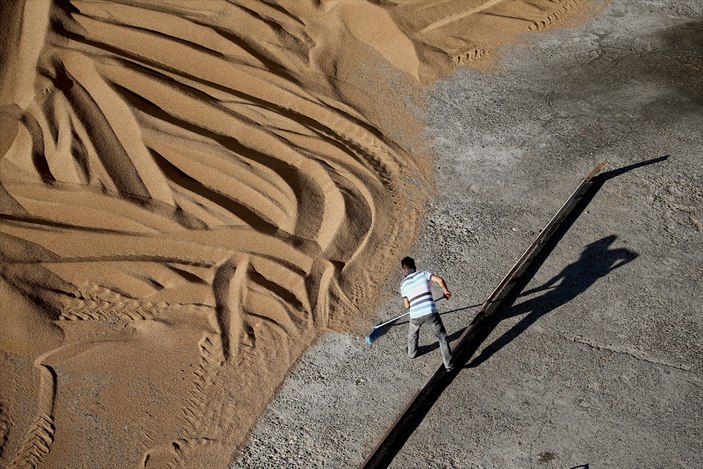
(599, 363)
(636, 354)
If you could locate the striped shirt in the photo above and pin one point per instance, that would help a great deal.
(416, 288)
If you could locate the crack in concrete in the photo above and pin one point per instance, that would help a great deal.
(636, 354)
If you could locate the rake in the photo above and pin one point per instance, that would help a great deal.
(377, 330)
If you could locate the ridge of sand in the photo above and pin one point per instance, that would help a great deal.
(190, 194)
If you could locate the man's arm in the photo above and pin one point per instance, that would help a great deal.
(440, 281)
(545, 286)
(406, 302)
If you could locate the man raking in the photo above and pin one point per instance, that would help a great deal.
(417, 298)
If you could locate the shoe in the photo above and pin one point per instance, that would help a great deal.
(449, 368)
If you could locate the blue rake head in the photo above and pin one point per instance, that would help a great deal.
(375, 334)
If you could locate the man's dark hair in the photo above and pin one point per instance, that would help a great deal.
(408, 262)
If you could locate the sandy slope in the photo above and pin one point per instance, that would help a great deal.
(191, 192)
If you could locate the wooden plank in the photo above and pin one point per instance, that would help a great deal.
(473, 335)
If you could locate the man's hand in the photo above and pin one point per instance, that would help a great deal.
(447, 294)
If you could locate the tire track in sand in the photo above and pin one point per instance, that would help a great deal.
(247, 169)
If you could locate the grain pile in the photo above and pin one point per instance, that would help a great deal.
(191, 192)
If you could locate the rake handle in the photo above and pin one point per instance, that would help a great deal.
(400, 316)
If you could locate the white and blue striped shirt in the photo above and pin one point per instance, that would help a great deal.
(416, 288)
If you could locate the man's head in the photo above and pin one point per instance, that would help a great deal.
(407, 264)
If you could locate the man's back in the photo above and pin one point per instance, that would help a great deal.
(416, 288)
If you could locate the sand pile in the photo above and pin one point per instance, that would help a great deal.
(190, 192)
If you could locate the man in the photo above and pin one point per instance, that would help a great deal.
(417, 297)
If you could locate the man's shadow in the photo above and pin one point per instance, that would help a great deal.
(596, 261)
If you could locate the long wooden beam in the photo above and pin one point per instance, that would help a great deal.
(473, 335)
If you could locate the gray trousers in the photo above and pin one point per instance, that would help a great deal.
(437, 327)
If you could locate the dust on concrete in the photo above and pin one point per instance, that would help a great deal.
(610, 377)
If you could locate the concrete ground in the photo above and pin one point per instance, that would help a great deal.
(599, 368)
